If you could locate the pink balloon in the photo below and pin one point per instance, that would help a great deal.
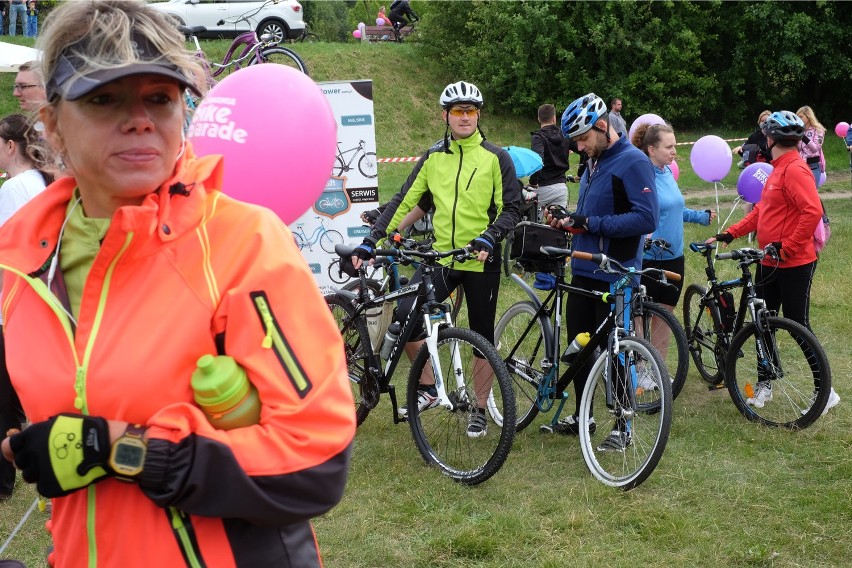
(841, 129)
(751, 181)
(356, 34)
(675, 169)
(276, 155)
(711, 158)
(380, 21)
(644, 119)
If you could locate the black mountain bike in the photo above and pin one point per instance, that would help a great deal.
(775, 369)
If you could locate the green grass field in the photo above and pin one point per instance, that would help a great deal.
(726, 493)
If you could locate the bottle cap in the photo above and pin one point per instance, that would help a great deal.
(219, 383)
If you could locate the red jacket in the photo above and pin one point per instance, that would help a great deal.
(788, 212)
(188, 272)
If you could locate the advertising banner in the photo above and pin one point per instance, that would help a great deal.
(352, 187)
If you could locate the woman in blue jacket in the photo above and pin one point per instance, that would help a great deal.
(657, 141)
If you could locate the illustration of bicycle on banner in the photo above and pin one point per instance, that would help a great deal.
(326, 238)
(367, 164)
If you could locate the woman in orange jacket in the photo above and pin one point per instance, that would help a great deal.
(117, 279)
(785, 217)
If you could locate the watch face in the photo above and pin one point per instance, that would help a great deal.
(129, 455)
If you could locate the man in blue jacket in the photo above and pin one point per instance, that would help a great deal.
(616, 207)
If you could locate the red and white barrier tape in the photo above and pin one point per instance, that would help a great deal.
(415, 158)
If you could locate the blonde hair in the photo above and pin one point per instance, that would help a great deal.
(807, 113)
(762, 117)
(99, 33)
(649, 135)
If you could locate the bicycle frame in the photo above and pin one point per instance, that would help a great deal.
(435, 315)
(316, 234)
(361, 145)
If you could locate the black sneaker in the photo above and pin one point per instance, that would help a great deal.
(477, 425)
(617, 441)
(570, 426)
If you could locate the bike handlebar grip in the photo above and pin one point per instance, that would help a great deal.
(724, 256)
(581, 255)
(673, 276)
(387, 252)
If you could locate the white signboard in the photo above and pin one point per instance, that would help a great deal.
(353, 187)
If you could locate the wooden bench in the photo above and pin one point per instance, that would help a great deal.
(385, 33)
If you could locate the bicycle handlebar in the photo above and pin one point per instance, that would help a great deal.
(749, 255)
(612, 266)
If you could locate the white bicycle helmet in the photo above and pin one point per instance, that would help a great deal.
(582, 114)
(459, 93)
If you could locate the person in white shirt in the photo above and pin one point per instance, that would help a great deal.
(25, 181)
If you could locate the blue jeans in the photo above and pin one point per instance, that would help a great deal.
(17, 11)
(32, 26)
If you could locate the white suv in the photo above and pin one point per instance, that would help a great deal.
(281, 18)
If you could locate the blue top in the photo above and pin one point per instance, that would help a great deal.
(617, 195)
(849, 137)
(673, 214)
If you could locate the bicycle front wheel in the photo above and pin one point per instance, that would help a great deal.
(330, 238)
(624, 438)
(523, 352)
(441, 433)
(368, 166)
(358, 349)
(281, 56)
(789, 384)
(701, 336)
(658, 325)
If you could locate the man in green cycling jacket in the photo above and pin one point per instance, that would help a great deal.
(474, 188)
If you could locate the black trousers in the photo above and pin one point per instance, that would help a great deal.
(11, 416)
(787, 290)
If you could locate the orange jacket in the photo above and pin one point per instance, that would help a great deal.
(788, 212)
(188, 272)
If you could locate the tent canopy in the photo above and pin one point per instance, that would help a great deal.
(13, 56)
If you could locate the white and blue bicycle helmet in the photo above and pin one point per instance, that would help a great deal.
(582, 114)
(783, 125)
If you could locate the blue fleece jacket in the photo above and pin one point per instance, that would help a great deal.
(617, 195)
(673, 214)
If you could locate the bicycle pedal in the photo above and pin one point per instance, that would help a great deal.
(716, 387)
(546, 429)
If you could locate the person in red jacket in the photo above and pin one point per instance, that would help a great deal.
(785, 217)
(118, 278)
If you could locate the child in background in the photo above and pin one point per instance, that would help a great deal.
(32, 20)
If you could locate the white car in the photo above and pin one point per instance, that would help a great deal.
(281, 18)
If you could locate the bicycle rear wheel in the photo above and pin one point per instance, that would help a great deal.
(795, 366)
(646, 431)
(658, 325)
(356, 343)
(701, 336)
(441, 433)
(523, 355)
(282, 56)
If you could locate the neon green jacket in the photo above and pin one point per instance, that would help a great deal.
(474, 190)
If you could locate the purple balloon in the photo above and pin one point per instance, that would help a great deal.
(821, 179)
(644, 119)
(711, 158)
(751, 181)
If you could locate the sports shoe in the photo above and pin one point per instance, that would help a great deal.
(617, 441)
(427, 397)
(762, 394)
(477, 426)
(570, 426)
(833, 400)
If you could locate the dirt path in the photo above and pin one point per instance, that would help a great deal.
(729, 194)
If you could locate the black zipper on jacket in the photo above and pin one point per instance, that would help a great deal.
(186, 539)
(456, 200)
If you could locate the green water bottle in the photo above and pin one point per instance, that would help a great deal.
(224, 393)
